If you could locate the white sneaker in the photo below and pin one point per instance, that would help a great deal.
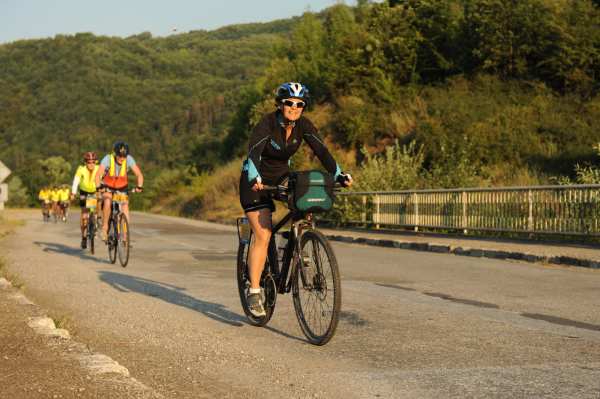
(255, 305)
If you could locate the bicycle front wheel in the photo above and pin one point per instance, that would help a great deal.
(91, 231)
(123, 240)
(316, 288)
(112, 240)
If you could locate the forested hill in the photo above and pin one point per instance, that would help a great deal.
(473, 92)
(169, 97)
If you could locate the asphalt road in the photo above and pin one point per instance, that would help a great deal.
(414, 324)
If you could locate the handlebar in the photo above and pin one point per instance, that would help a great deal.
(337, 187)
(112, 190)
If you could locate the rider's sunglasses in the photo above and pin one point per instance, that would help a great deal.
(290, 103)
(92, 161)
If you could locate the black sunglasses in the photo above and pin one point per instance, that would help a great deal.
(290, 103)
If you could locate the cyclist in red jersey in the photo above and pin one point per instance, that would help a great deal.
(112, 174)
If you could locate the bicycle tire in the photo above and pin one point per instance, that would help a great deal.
(321, 286)
(243, 281)
(91, 225)
(123, 240)
(112, 240)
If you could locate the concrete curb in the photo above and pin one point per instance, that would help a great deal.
(465, 251)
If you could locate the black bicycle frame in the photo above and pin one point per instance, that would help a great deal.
(284, 284)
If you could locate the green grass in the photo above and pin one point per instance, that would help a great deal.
(62, 321)
(7, 226)
(13, 278)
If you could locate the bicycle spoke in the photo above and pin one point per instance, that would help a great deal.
(317, 296)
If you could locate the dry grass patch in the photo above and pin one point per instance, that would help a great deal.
(13, 278)
(7, 226)
(62, 321)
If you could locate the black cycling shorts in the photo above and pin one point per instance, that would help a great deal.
(255, 200)
(82, 197)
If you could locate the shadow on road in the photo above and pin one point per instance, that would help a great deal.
(171, 294)
(73, 251)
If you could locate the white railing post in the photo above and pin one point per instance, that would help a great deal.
(416, 201)
(464, 212)
(377, 215)
(530, 217)
(364, 210)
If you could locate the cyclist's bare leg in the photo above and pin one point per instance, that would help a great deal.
(84, 220)
(260, 223)
(125, 210)
(106, 199)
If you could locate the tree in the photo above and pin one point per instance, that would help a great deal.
(507, 36)
(589, 174)
(308, 54)
(571, 61)
(397, 168)
(17, 193)
(56, 169)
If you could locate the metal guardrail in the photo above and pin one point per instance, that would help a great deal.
(569, 210)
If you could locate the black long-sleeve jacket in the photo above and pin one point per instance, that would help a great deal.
(269, 153)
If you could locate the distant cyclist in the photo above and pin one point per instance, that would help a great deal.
(55, 198)
(113, 174)
(84, 184)
(273, 142)
(45, 202)
(63, 201)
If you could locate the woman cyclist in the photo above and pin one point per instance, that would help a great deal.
(84, 184)
(273, 142)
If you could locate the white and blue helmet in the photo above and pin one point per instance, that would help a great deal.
(291, 90)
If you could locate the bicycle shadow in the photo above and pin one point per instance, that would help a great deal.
(67, 250)
(171, 294)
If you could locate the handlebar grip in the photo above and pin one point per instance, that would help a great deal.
(270, 188)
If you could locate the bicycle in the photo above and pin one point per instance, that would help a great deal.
(309, 270)
(64, 210)
(46, 210)
(55, 211)
(91, 203)
(118, 230)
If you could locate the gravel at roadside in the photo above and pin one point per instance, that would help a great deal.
(39, 360)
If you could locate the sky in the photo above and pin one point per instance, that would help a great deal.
(34, 19)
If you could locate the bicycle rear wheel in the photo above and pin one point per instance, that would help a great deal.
(112, 240)
(267, 284)
(316, 288)
(91, 225)
(123, 240)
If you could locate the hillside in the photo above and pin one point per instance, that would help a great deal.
(474, 92)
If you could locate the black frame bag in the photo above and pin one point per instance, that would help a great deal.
(311, 191)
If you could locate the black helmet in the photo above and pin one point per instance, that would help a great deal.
(291, 90)
(121, 148)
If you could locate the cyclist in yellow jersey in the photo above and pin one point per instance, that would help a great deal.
(63, 201)
(54, 198)
(44, 198)
(84, 184)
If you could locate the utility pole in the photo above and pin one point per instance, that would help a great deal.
(4, 173)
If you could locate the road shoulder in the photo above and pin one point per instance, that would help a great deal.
(38, 360)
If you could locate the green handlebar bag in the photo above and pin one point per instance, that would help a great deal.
(311, 191)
